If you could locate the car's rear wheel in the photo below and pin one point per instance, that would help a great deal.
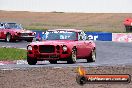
(73, 57)
(92, 57)
(31, 61)
(8, 37)
(53, 61)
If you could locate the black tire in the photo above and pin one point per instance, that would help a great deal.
(53, 61)
(31, 61)
(92, 57)
(8, 37)
(72, 59)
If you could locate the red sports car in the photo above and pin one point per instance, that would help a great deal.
(13, 31)
(128, 24)
(62, 44)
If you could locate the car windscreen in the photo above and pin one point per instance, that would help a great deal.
(13, 26)
(60, 35)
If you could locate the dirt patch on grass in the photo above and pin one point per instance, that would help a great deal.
(58, 77)
(107, 22)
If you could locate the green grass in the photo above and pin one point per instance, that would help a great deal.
(12, 54)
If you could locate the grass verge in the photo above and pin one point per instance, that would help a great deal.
(12, 54)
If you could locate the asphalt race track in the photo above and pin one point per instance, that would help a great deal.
(108, 54)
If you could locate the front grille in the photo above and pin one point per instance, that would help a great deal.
(46, 49)
(24, 34)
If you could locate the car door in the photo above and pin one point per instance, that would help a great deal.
(88, 45)
(81, 47)
(88, 49)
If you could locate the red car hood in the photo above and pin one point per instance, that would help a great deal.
(52, 42)
(21, 31)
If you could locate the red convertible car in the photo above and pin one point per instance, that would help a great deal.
(13, 31)
(62, 44)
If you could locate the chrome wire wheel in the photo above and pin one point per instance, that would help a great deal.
(74, 56)
(8, 37)
(92, 57)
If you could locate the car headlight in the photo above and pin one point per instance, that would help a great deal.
(29, 48)
(64, 48)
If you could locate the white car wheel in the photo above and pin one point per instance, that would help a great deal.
(92, 57)
(73, 57)
(8, 37)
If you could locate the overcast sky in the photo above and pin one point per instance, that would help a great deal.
(88, 6)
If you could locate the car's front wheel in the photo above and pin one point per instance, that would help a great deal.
(73, 57)
(92, 57)
(8, 37)
(31, 61)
